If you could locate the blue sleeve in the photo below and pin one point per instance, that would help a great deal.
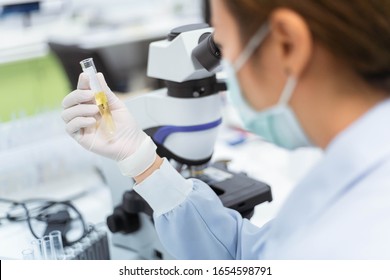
(202, 228)
(192, 222)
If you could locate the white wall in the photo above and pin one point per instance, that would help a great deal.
(105, 11)
(122, 10)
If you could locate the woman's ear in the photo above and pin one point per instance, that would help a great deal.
(292, 39)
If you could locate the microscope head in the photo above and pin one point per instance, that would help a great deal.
(188, 53)
(183, 118)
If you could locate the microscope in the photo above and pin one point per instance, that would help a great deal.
(183, 120)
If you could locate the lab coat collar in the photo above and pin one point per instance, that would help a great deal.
(351, 156)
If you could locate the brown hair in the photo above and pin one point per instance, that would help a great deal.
(358, 31)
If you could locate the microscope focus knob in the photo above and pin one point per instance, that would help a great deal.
(122, 221)
(133, 203)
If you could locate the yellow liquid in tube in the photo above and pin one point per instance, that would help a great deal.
(100, 97)
(102, 103)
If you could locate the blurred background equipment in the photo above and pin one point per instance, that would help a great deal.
(40, 40)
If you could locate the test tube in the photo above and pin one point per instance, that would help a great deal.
(100, 97)
(57, 246)
(38, 249)
(47, 248)
(28, 254)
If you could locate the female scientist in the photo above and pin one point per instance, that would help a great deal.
(300, 73)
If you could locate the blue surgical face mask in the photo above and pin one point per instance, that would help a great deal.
(276, 124)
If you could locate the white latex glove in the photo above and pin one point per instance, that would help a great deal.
(129, 145)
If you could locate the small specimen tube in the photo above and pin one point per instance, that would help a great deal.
(47, 248)
(28, 254)
(38, 249)
(100, 98)
(57, 246)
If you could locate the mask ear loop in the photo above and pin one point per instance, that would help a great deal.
(288, 90)
(253, 43)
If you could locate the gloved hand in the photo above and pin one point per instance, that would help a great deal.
(129, 145)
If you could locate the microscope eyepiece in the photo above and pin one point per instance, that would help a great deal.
(207, 52)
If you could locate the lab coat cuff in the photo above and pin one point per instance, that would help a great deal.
(164, 189)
